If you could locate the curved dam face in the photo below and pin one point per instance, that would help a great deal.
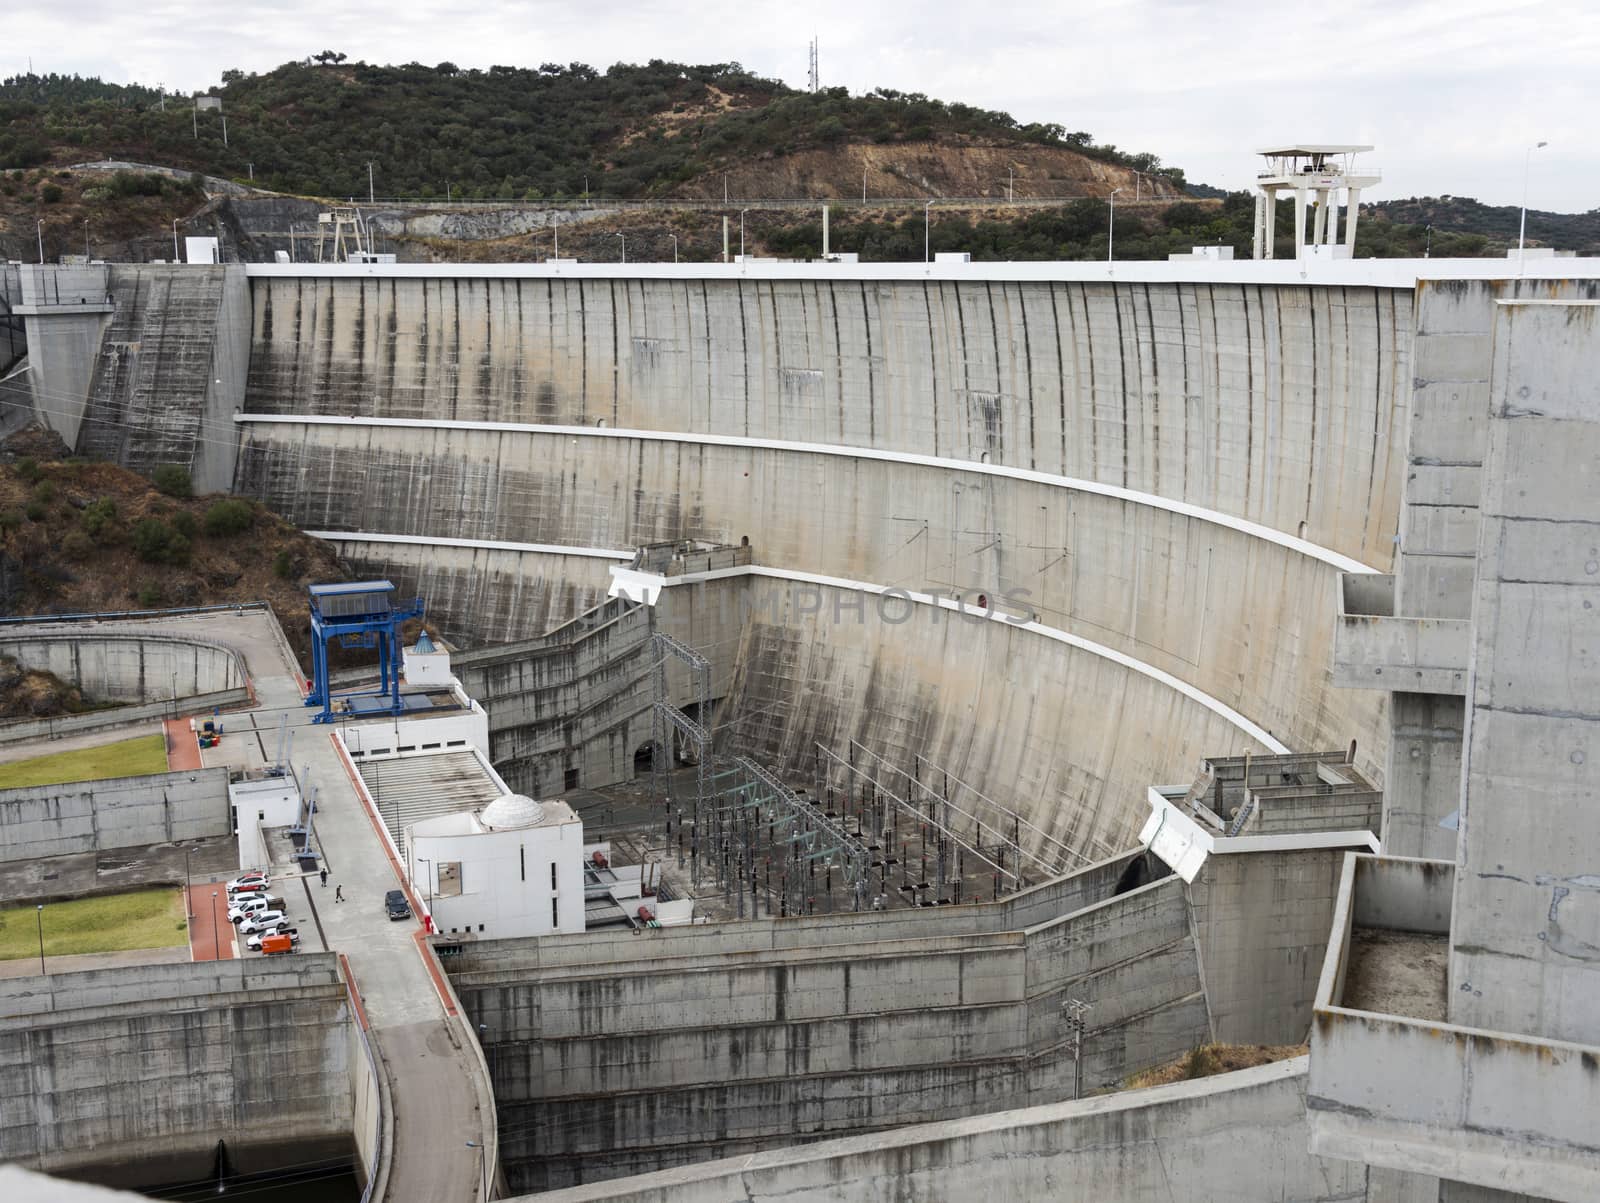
(1174, 473)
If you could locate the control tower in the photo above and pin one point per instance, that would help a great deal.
(1303, 169)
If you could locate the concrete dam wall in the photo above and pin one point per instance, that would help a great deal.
(1176, 472)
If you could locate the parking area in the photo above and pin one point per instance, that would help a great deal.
(292, 912)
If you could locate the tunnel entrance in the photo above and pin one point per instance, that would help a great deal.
(644, 760)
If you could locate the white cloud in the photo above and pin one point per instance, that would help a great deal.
(1450, 93)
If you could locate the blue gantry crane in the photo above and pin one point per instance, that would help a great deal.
(359, 614)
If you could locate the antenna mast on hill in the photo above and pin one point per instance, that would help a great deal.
(812, 50)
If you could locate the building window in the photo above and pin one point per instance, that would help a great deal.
(480, 927)
(555, 913)
(552, 876)
(522, 860)
(572, 779)
(449, 879)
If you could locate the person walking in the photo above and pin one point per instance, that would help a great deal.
(338, 893)
(324, 877)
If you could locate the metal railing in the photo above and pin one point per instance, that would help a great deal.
(735, 204)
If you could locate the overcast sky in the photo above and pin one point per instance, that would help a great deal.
(1451, 93)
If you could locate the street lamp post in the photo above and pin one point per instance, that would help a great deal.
(40, 915)
(483, 1168)
(188, 899)
(371, 194)
(174, 241)
(1011, 183)
(39, 229)
(483, 1043)
(1522, 226)
(1111, 223)
(674, 238)
(927, 226)
(423, 860)
(624, 238)
(216, 930)
(742, 212)
(85, 237)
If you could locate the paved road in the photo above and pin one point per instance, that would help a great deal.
(437, 1091)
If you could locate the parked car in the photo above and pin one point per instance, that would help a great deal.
(249, 904)
(260, 922)
(397, 906)
(261, 942)
(248, 881)
(246, 888)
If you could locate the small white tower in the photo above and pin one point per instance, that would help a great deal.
(1311, 168)
(426, 663)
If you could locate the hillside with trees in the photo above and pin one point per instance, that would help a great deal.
(657, 130)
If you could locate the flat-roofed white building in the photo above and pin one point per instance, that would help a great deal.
(511, 868)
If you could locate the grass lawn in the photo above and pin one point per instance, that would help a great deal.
(126, 758)
(141, 919)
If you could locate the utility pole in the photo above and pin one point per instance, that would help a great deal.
(742, 212)
(1522, 226)
(194, 118)
(39, 230)
(174, 242)
(1111, 223)
(371, 197)
(251, 168)
(624, 238)
(674, 238)
(40, 914)
(926, 232)
(1074, 1009)
(85, 237)
(224, 117)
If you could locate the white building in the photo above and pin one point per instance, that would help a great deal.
(511, 868)
(260, 803)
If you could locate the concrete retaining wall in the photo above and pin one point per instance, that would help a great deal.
(130, 668)
(119, 812)
(1240, 1136)
(1262, 920)
(574, 701)
(608, 1063)
(250, 1052)
(26, 730)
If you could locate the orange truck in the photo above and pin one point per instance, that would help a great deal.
(276, 943)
